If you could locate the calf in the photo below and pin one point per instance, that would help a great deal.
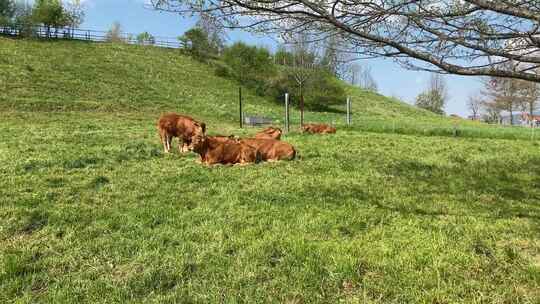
(223, 150)
(271, 149)
(318, 128)
(172, 125)
(269, 133)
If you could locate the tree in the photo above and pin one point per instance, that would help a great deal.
(115, 34)
(249, 64)
(303, 68)
(24, 20)
(431, 101)
(145, 38)
(75, 12)
(503, 94)
(195, 43)
(366, 81)
(51, 14)
(354, 70)
(434, 98)
(465, 37)
(7, 12)
(214, 30)
(474, 104)
(530, 97)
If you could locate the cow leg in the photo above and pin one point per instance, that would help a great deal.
(163, 139)
(183, 145)
(168, 139)
(180, 145)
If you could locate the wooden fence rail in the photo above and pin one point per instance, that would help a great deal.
(43, 32)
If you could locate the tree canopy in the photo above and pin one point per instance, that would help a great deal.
(465, 37)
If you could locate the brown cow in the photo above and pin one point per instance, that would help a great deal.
(269, 133)
(318, 128)
(271, 149)
(223, 150)
(172, 125)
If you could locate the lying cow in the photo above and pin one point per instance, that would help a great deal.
(318, 128)
(271, 149)
(269, 133)
(224, 150)
(172, 125)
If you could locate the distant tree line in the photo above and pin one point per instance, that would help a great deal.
(504, 96)
(51, 14)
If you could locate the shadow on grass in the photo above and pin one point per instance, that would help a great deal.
(497, 188)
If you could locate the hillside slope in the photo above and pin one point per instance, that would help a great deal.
(72, 75)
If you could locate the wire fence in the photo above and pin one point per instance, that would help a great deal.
(42, 32)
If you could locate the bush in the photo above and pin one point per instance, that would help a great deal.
(7, 12)
(145, 39)
(195, 42)
(320, 91)
(250, 65)
(222, 70)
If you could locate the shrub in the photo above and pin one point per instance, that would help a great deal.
(320, 91)
(222, 70)
(145, 39)
(195, 42)
(7, 12)
(249, 64)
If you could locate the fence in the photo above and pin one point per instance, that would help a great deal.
(43, 32)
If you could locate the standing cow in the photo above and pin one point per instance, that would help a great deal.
(172, 125)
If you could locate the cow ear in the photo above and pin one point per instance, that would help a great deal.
(203, 126)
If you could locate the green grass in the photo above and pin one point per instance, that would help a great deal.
(91, 211)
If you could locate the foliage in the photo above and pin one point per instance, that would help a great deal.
(435, 36)
(214, 31)
(7, 12)
(434, 98)
(50, 13)
(145, 38)
(320, 92)
(195, 42)
(75, 12)
(431, 101)
(283, 56)
(249, 64)
(24, 20)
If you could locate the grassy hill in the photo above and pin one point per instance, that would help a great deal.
(89, 76)
(91, 211)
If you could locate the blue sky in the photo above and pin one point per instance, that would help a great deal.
(390, 77)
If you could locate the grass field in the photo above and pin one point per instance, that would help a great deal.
(91, 211)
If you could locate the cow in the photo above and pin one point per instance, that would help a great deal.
(224, 150)
(172, 125)
(269, 133)
(271, 149)
(318, 128)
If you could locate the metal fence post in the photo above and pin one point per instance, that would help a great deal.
(240, 107)
(287, 112)
(349, 111)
